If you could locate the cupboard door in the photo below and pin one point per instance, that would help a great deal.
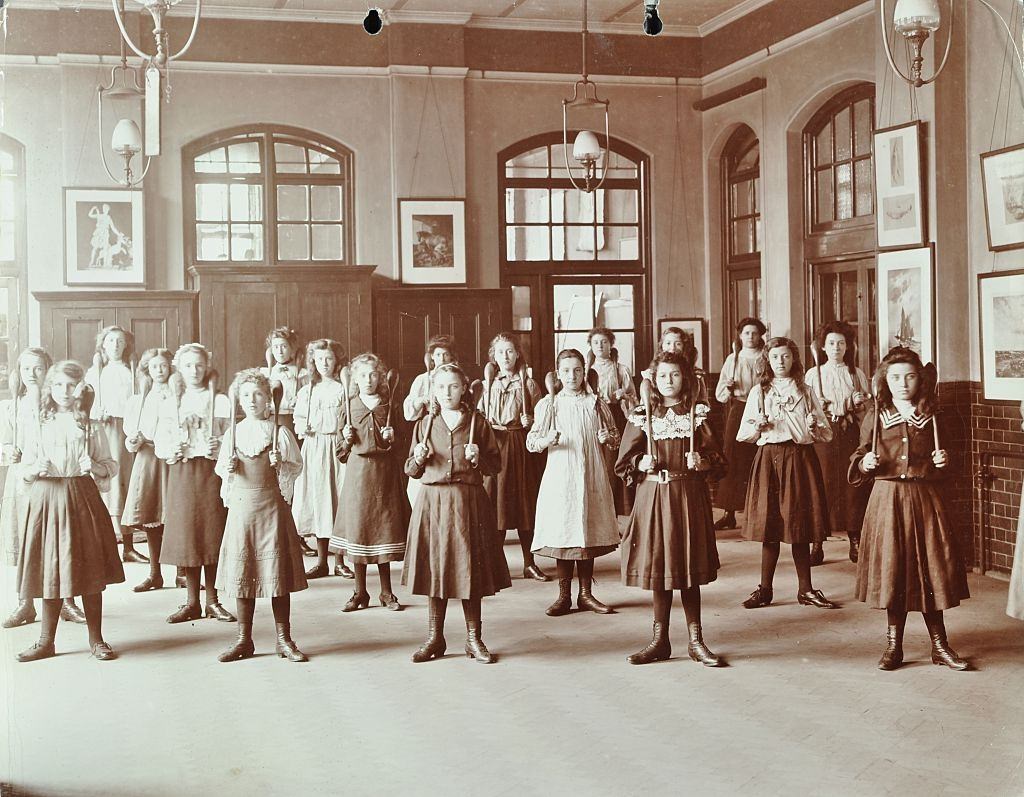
(72, 332)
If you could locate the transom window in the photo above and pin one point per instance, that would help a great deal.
(269, 195)
(838, 141)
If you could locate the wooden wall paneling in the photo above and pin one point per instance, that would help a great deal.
(333, 312)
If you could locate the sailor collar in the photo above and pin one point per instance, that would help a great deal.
(891, 417)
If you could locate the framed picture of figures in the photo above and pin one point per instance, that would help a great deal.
(906, 301)
(1002, 179)
(104, 242)
(1001, 300)
(432, 241)
(900, 217)
(694, 327)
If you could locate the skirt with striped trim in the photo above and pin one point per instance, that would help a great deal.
(373, 511)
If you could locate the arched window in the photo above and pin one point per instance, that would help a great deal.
(575, 260)
(839, 225)
(268, 195)
(12, 252)
(741, 174)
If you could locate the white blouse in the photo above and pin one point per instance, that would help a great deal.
(744, 378)
(291, 378)
(142, 413)
(837, 387)
(612, 376)
(59, 445)
(786, 407)
(113, 386)
(252, 438)
(420, 388)
(187, 420)
(504, 402)
(318, 408)
(15, 432)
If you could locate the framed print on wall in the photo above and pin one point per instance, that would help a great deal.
(694, 327)
(1002, 180)
(1001, 300)
(104, 241)
(906, 301)
(900, 218)
(432, 241)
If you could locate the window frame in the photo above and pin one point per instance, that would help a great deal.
(13, 273)
(266, 135)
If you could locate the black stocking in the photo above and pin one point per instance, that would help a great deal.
(360, 579)
(691, 604)
(154, 540)
(526, 543)
(211, 579)
(48, 621)
(896, 617)
(564, 568)
(585, 570)
(192, 586)
(802, 561)
(282, 605)
(471, 609)
(321, 551)
(384, 570)
(662, 606)
(246, 610)
(769, 559)
(93, 605)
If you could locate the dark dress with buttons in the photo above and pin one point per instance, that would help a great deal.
(454, 550)
(910, 555)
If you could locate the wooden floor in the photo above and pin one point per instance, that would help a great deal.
(801, 711)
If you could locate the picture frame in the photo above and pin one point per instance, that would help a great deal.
(1001, 320)
(104, 237)
(696, 328)
(1002, 181)
(906, 301)
(432, 241)
(901, 219)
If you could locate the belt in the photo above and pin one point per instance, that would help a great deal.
(666, 476)
(501, 427)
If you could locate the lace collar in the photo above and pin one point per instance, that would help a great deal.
(253, 437)
(670, 425)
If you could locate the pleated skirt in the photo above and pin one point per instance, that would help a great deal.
(731, 493)
(514, 489)
(114, 498)
(144, 503)
(68, 545)
(910, 555)
(786, 496)
(670, 539)
(195, 515)
(453, 546)
(846, 502)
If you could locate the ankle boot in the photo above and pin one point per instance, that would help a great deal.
(475, 647)
(23, 615)
(892, 656)
(243, 647)
(586, 600)
(563, 603)
(435, 645)
(698, 650)
(854, 547)
(942, 653)
(286, 648)
(658, 649)
(70, 612)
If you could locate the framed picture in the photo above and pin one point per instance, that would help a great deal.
(906, 299)
(900, 218)
(694, 327)
(104, 241)
(1002, 179)
(432, 241)
(1001, 298)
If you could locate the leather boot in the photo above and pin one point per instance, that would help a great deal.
(23, 615)
(435, 645)
(762, 596)
(586, 600)
(475, 647)
(658, 649)
(817, 554)
(243, 647)
(892, 656)
(69, 612)
(563, 603)
(534, 572)
(854, 546)
(698, 650)
(942, 653)
(286, 648)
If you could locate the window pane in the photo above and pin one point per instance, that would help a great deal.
(620, 243)
(522, 318)
(742, 237)
(293, 241)
(244, 158)
(211, 202)
(322, 163)
(862, 127)
(5, 323)
(212, 241)
(527, 243)
(527, 205)
(823, 184)
(619, 205)
(571, 340)
(848, 295)
(741, 199)
(575, 243)
(326, 200)
(844, 191)
(615, 306)
(755, 193)
(7, 204)
(327, 242)
(293, 203)
(290, 158)
(6, 162)
(823, 146)
(558, 162)
(528, 164)
(6, 240)
(213, 162)
(624, 348)
(862, 181)
(580, 207)
(749, 159)
(246, 202)
(246, 241)
(844, 135)
(619, 166)
(827, 290)
(573, 307)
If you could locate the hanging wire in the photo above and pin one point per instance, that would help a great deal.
(431, 93)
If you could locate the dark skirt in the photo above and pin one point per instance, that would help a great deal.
(513, 490)
(113, 430)
(373, 512)
(454, 550)
(731, 493)
(786, 496)
(621, 492)
(68, 545)
(670, 539)
(846, 502)
(910, 557)
(144, 504)
(575, 554)
(194, 521)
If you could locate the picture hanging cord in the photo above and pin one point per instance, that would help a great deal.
(431, 91)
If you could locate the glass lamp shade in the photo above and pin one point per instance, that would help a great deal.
(586, 148)
(155, 3)
(126, 138)
(916, 16)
